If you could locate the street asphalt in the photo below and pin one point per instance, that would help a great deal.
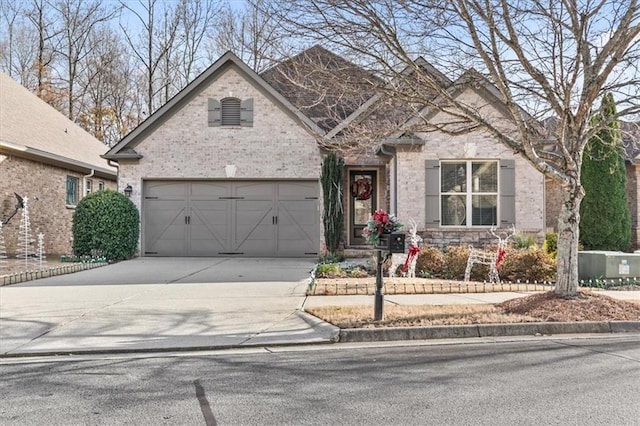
(169, 304)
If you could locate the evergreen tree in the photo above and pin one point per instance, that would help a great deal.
(605, 221)
(332, 189)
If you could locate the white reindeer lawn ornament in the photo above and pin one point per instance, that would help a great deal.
(407, 260)
(491, 258)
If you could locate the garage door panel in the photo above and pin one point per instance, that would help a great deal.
(165, 228)
(250, 218)
(297, 190)
(166, 190)
(209, 190)
(298, 230)
(209, 233)
(254, 229)
(254, 190)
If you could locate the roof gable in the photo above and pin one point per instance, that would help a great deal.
(30, 126)
(324, 86)
(125, 148)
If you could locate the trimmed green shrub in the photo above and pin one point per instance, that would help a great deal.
(550, 245)
(522, 241)
(330, 270)
(106, 223)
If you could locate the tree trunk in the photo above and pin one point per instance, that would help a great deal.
(568, 237)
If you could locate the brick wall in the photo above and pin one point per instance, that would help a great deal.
(45, 186)
(184, 147)
(411, 186)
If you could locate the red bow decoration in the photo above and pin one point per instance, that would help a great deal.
(501, 255)
(413, 252)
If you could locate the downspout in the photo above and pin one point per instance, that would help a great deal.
(84, 180)
(116, 166)
(394, 179)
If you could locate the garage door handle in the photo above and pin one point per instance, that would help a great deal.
(187, 220)
(274, 220)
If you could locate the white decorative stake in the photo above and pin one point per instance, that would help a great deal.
(3, 250)
(24, 239)
(42, 259)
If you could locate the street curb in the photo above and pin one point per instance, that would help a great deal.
(355, 335)
(317, 324)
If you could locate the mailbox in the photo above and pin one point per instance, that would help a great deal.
(396, 242)
(393, 242)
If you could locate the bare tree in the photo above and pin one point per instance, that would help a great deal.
(254, 34)
(80, 19)
(107, 79)
(18, 45)
(153, 43)
(541, 58)
(197, 19)
(10, 13)
(39, 13)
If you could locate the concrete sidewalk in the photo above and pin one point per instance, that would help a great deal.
(168, 304)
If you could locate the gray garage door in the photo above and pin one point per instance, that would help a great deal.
(219, 218)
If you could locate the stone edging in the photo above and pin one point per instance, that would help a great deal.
(23, 276)
(385, 334)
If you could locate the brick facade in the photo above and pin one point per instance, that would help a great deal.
(183, 146)
(411, 186)
(45, 186)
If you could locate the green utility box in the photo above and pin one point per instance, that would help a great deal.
(608, 264)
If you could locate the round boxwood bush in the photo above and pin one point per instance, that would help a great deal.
(106, 224)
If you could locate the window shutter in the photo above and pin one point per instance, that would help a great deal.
(215, 113)
(507, 193)
(246, 113)
(432, 194)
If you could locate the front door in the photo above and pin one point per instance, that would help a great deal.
(362, 190)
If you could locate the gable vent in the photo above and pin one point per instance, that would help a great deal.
(230, 111)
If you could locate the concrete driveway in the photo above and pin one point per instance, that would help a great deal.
(161, 304)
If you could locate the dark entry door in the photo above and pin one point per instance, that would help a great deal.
(362, 188)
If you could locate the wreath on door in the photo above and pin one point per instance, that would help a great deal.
(361, 189)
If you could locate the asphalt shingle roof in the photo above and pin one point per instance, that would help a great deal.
(29, 124)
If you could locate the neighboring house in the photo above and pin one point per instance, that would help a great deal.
(231, 166)
(631, 143)
(49, 159)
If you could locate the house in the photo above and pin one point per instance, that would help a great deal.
(231, 165)
(48, 159)
(631, 143)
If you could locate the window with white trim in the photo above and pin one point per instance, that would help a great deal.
(89, 187)
(72, 190)
(469, 193)
(100, 185)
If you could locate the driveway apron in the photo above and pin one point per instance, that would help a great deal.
(149, 304)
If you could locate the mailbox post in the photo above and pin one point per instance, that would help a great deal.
(391, 243)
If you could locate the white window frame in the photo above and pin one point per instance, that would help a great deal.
(88, 187)
(468, 193)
